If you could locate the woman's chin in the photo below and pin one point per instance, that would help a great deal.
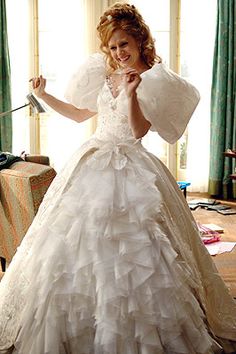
(124, 65)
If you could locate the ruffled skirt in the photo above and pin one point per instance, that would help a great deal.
(113, 264)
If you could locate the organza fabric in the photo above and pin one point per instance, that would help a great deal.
(113, 262)
(166, 99)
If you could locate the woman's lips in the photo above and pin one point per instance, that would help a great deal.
(122, 60)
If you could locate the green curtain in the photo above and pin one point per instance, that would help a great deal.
(223, 106)
(5, 84)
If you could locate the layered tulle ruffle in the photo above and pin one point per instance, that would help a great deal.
(104, 272)
(106, 279)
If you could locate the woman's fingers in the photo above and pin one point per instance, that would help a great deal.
(37, 81)
(131, 76)
(38, 85)
(128, 70)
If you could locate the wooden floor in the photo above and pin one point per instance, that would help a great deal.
(226, 262)
(228, 222)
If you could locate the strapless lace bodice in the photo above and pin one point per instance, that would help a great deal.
(112, 115)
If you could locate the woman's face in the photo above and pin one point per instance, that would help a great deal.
(124, 50)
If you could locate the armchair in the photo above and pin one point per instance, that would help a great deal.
(22, 187)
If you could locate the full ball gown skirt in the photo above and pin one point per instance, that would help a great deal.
(113, 262)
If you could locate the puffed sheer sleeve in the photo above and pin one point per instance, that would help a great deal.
(84, 86)
(167, 101)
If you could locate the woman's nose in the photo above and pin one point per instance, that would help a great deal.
(120, 51)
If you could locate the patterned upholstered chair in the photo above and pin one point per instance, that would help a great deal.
(22, 187)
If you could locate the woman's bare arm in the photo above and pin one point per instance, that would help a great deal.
(61, 107)
(67, 109)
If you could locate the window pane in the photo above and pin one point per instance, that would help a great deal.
(61, 49)
(18, 39)
(158, 20)
(197, 45)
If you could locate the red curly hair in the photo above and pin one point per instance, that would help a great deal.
(126, 17)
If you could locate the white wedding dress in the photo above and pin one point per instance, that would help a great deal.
(113, 262)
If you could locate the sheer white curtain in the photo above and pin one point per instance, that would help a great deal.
(93, 10)
(197, 44)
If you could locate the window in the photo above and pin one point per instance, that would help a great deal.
(198, 21)
(61, 48)
(18, 39)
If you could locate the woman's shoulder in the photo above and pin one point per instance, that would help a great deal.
(84, 85)
(96, 58)
(93, 63)
(155, 71)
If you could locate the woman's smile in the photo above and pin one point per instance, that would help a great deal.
(124, 49)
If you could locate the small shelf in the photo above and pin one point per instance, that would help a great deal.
(231, 154)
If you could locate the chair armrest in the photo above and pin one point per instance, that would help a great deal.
(41, 159)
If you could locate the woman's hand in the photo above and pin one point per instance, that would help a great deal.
(131, 81)
(38, 85)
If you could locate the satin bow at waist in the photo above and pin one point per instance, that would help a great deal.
(114, 152)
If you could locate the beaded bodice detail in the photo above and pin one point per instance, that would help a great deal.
(112, 115)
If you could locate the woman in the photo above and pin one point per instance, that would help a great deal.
(113, 262)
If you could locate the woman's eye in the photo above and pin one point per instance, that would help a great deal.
(124, 44)
(112, 48)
